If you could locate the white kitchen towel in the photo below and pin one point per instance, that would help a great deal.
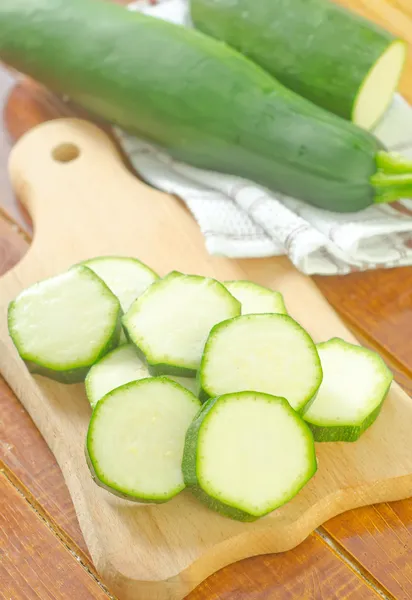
(239, 218)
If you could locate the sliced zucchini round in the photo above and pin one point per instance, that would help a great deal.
(170, 322)
(355, 384)
(136, 437)
(122, 365)
(255, 298)
(247, 453)
(127, 277)
(61, 326)
(267, 353)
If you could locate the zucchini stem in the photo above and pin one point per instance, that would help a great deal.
(393, 179)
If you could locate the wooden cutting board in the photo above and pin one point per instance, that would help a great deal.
(84, 202)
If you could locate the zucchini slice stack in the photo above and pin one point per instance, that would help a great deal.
(267, 390)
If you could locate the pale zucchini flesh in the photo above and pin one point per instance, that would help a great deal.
(355, 383)
(127, 277)
(247, 453)
(268, 353)
(122, 365)
(256, 299)
(170, 322)
(136, 437)
(377, 89)
(61, 326)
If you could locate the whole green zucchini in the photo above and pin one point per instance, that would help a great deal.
(320, 50)
(204, 102)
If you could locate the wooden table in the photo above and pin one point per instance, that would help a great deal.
(365, 554)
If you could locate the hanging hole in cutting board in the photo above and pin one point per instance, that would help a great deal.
(65, 153)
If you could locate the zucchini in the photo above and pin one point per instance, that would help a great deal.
(322, 51)
(246, 454)
(255, 298)
(121, 366)
(57, 332)
(127, 277)
(355, 384)
(136, 436)
(268, 353)
(170, 322)
(204, 102)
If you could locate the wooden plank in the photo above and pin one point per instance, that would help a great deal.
(24, 452)
(309, 572)
(403, 5)
(34, 564)
(380, 538)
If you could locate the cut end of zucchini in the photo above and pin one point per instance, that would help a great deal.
(63, 325)
(136, 438)
(269, 353)
(355, 384)
(253, 454)
(379, 86)
(256, 299)
(170, 322)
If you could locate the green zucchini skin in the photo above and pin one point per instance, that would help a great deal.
(345, 433)
(77, 374)
(191, 458)
(189, 468)
(203, 101)
(315, 47)
(74, 375)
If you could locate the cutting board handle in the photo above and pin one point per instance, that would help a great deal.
(54, 156)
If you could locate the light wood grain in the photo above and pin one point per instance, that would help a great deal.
(170, 548)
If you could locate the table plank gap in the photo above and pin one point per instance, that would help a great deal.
(42, 514)
(353, 563)
(24, 528)
(48, 520)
